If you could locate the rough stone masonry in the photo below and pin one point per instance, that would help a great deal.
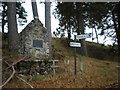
(34, 41)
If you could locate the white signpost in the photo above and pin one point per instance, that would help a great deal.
(75, 44)
(83, 36)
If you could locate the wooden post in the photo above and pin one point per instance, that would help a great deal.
(54, 67)
(66, 62)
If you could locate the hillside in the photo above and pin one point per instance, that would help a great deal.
(97, 73)
(94, 50)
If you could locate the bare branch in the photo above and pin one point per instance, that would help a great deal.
(9, 78)
(15, 62)
(12, 73)
(25, 81)
(18, 61)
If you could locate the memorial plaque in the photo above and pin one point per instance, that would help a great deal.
(38, 43)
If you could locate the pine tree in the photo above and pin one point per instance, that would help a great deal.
(20, 11)
(12, 27)
(35, 11)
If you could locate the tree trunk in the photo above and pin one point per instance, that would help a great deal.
(96, 34)
(35, 11)
(69, 34)
(12, 27)
(117, 30)
(92, 35)
(81, 27)
(48, 25)
(3, 26)
(3, 18)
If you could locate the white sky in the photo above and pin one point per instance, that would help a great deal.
(41, 12)
(54, 22)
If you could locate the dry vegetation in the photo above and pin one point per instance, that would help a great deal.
(96, 73)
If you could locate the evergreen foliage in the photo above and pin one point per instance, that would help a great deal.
(101, 16)
(20, 11)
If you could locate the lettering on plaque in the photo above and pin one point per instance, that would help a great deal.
(38, 43)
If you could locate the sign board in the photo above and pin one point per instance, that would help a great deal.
(75, 44)
(83, 36)
(38, 43)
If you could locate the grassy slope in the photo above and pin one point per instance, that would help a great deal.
(96, 73)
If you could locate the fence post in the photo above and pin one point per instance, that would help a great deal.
(54, 67)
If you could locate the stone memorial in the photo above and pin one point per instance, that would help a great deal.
(34, 41)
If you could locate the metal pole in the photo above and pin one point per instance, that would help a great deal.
(75, 57)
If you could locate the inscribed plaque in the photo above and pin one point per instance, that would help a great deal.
(38, 43)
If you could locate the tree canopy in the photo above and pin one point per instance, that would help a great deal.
(96, 15)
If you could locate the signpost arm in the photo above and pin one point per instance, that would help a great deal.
(75, 57)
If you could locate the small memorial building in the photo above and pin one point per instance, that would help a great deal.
(34, 41)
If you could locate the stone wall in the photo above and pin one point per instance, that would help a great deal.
(34, 41)
(36, 67)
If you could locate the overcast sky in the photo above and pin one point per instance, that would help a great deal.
(54, 22)
(41, 12)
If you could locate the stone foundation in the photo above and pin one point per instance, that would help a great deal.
(36, 67)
